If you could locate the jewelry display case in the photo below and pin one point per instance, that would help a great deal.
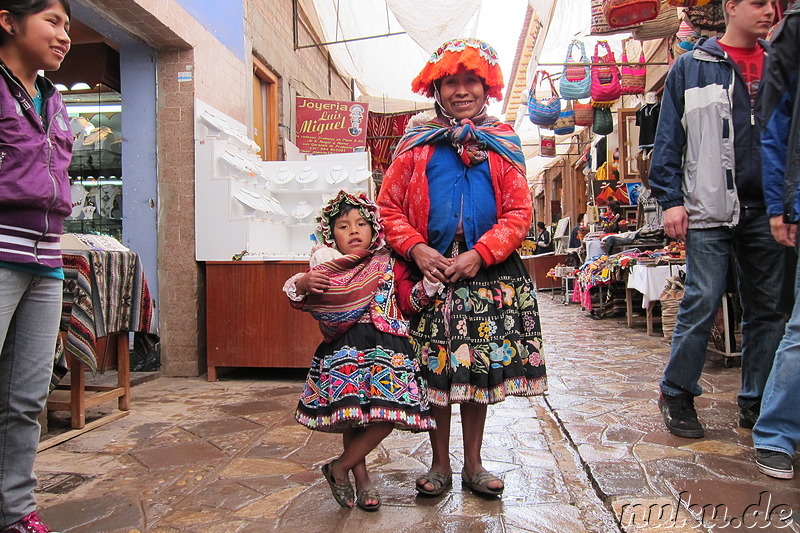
(95, 172)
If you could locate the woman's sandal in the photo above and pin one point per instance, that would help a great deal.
(441, 482)
(370, 493)
(480, 483)
(342, 492)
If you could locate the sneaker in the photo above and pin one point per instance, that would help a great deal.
(748, 416)
(775, 464)
(28, 524)
(680, 416)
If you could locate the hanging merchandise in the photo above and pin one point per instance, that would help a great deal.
(547, 145)
(688, 3)
(664, 25)
(603, 123)
(684, 41)
(584, 113)
(623, 13)
(543, 111)
(566, 121)
(599, 25)
(710, 16)
(576, 79)
(606, 87)
(634, 78)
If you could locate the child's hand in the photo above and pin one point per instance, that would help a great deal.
(313, 282)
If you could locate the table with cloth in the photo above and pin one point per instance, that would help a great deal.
(105, 295)
(649, 280)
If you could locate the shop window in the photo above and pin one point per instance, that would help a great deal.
(265, 110)
(95, 172)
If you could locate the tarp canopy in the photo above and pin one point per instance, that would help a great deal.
(384, 67)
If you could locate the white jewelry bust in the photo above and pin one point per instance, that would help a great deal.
(336, 175)
(360, 175)
(283, 176)
(302, 210)
(307, 175)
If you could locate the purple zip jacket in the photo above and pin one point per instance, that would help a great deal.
(34, 186)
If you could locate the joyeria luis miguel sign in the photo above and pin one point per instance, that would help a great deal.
(330, 127)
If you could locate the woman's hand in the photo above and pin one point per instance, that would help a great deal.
(431, 263)
(465, 266)
(313, 282)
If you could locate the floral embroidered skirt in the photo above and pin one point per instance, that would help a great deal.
(481, 340)
(365, 376)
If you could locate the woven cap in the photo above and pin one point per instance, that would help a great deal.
(472, 54)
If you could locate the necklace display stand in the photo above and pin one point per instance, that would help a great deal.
(266, 208)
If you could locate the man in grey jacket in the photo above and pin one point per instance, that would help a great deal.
(706, 175)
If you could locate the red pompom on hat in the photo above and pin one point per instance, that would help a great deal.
(472, 54)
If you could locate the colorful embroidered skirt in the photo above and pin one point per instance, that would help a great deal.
(481, 340)
(365, 376)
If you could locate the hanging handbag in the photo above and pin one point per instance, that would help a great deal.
(576, 78)
(603, 123)
(664, 25)
(606, 86)
(599, 25)
(622, 13)
(688, 3)
(547, 145)
(584, 113)
(710, 16)
(543, 111)
(634, 78)
(566, 121)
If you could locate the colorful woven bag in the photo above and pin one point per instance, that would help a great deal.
(603, 121)
(606, 85)
(543, 111)
(634, 78)
(566, 121)
(624, 13)
(584, 113)
(664, 25)
(599, 25)
(708, 16)
(547, 145)
(576, 79)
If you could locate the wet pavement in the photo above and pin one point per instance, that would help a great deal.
(590, 456)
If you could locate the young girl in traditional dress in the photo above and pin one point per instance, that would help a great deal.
(364, 380)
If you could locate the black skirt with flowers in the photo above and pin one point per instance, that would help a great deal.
(481, 340)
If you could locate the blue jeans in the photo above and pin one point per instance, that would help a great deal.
(778, 426)
(30, 309)
(759, 261)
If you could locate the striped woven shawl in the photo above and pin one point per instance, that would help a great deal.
(354, 282)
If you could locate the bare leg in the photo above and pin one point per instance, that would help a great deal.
(359, 444)
(473, 421)
(360, 470)
(440, 443)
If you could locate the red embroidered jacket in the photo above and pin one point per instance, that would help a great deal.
(405, 205)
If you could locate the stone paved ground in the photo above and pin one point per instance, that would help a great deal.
(590, 456)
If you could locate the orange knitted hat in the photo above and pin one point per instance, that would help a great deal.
(473, 54)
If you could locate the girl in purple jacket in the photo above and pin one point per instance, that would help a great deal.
(35, 151)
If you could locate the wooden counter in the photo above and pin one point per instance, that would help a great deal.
(539, 265)
(249, 321)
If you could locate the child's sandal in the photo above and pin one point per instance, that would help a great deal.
(370, 493)
(342, 492)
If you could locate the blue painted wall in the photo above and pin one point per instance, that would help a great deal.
(139, 164)
(223, 18)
